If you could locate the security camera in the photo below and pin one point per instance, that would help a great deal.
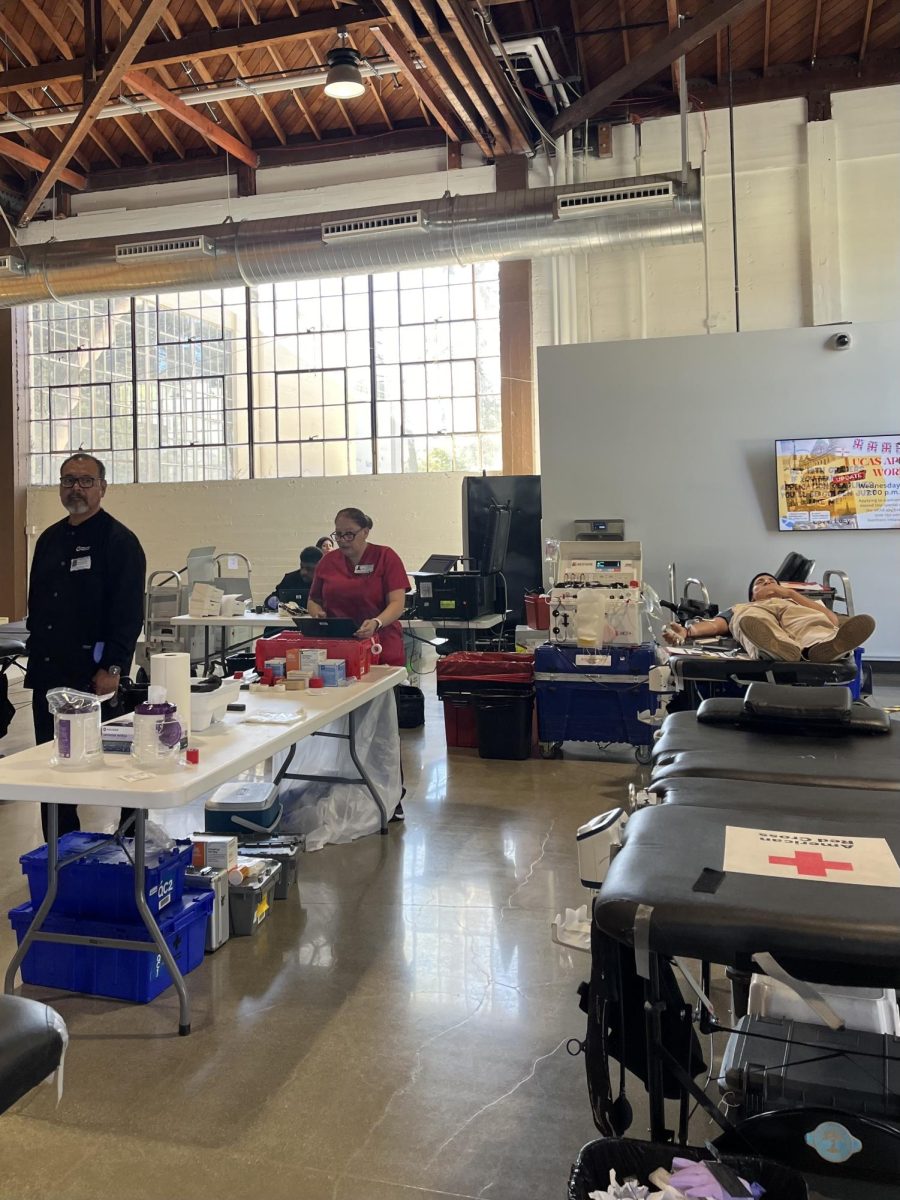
(840, 341)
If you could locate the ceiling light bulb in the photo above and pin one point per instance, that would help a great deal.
(344, 81)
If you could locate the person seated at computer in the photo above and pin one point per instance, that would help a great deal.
(298, 581)
(778, 622)
(326, 544)
(363, 583)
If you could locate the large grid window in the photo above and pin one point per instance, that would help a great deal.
(389, 373)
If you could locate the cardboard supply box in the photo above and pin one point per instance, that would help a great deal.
(214, 850)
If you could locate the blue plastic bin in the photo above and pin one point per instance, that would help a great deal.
(134, 975)
(99, 886)
(592, 703)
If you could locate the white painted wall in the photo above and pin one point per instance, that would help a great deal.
(676, 435)
(271, 520)
(629, 293)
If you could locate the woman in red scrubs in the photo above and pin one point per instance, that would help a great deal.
(362, 582)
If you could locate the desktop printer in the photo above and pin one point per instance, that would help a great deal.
(446, 593)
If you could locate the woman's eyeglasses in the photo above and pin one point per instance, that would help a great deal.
(347, 536)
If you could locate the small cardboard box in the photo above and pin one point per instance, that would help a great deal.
(214, 850)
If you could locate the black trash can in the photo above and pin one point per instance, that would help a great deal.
(410, 706)
(631, 1159)
(504, 719)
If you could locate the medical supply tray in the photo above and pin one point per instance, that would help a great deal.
(586, 695)
(135, 975)
(771, 1063)
(356, 654)
(99, 884)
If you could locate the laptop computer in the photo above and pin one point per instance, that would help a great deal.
(326, 627)
(438, 564)
(293, 595)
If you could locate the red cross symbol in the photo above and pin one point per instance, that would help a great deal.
(811, 864)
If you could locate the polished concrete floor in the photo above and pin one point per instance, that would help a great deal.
(398, 1029)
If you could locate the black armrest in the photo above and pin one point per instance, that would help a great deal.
(779, 702)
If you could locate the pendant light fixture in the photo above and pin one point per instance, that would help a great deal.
(344, 80)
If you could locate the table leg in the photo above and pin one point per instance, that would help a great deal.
(184, 1018)
(52, 885)
(351, 742)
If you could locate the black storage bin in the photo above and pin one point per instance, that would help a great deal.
(631, 1159)
(504, 719)
(410, 706)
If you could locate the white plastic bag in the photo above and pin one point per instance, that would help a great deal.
(330, 813)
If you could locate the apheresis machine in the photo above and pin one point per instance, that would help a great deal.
(592, 679)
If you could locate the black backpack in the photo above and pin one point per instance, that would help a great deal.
(410, 706)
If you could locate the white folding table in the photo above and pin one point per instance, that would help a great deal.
(224, 753)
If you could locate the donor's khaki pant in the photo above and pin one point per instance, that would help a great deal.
(803, 626)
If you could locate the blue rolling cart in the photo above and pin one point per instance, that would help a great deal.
(594, 696)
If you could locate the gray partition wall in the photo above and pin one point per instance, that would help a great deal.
(677, 435)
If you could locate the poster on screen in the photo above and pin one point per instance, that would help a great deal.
(839, 482)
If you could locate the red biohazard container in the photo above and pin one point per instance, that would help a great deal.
(462, 677)
(537, 611)
(356, 654)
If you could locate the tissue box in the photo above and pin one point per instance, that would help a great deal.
(214, 850)
(333, 672)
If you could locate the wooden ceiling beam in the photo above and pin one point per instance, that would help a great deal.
(95, 98)
(483, 60)
(125, 17)
(672, 17)
(404, 19)
(469, 82)
(38, 162)
(867, 25)
(24, 50)
(421, 83)
(882, 69)
(306, 153)
(275, 55)
(767, 32)
(717, 15)
(817, 25)
(43, 22)
(142, 82)
(205, 43)
(626, 45)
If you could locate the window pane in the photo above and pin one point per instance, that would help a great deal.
(169, 375)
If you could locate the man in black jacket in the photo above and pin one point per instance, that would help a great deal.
(85, 602)
(298, 581)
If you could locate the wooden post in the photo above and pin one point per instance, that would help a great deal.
(516, 349)
(13, 473)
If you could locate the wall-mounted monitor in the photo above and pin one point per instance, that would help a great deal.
(839, 482)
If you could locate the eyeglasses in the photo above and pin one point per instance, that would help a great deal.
(84, 481)
(347, 536)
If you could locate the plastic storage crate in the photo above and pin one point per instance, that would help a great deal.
(356, 654)
(285, 850)
(462, 677)
(135, 975)
(249, 903)
(99, 885)
(584, 701)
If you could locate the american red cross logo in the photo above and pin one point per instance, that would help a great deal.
(811, 864)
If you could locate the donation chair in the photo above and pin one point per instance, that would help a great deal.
(33, 1040)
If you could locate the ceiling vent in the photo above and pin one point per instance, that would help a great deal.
(10, 265)
(578, 204)
(336, 231)
(178, 247)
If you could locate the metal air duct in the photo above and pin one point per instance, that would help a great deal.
(453, 230)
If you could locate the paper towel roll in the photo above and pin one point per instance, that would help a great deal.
(172, 670)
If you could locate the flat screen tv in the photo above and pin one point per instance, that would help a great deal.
(839, 482)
